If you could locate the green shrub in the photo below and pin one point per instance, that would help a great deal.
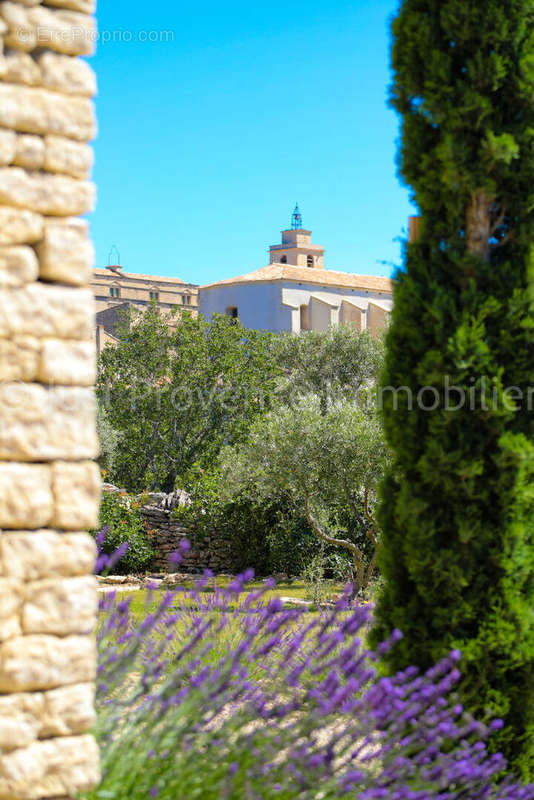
(122, 523)
(265, 535)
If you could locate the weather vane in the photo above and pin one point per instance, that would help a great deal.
(296, 220)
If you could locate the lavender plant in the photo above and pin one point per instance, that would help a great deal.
(228, 696)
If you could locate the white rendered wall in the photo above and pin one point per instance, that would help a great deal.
(275, 306)
(259, 305)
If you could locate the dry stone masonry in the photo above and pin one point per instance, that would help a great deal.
(49, 484)
(213, 551)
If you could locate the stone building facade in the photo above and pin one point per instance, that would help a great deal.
(49, 483)
(295, 292)
(116, 290)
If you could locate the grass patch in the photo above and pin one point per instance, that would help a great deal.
(146, 602)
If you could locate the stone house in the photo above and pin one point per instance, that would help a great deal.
(116, 290)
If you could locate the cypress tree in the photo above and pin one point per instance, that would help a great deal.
(457, 510)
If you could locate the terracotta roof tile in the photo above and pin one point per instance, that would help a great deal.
(107, 273)
(322, 277)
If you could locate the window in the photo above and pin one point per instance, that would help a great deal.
(114, 292)
(154, 296)
(186, 300)
(283, 260)
(309, 261)
(232, 312)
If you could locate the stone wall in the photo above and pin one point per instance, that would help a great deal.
(213, 552)
(49, 485)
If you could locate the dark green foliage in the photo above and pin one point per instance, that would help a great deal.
(458, 503)
(324, 465)
(266, 535)
(108, 439)
(337, 364)
(120, 523)
(176, 396)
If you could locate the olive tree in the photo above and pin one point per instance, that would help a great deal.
(318, 459)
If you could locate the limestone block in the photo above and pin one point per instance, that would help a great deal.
(30, 151)
(18, 266)
(26, 717)
(21, 68)
(43, 310)
(8, 146)
(32, 663)
(26, 499)
(32, 110)
(68, 711)
(64, 31)
(20, 719)
(55, 195)
(11, 597)
(71, 158)
(85, 6)
(55, 768)
(46, 554)
(18, 226)
(67, 363)
(66, 254)
(21, 34)
(76, 489)
(60, 606)
(20, 359)
(67, 75)
(40, 424)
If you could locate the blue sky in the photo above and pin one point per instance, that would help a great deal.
(209, 135)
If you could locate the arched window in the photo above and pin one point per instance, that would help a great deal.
(283, 259)
(309, 261)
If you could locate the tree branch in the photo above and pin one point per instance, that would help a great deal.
(316, 527)
(371, 532)
(370, 568)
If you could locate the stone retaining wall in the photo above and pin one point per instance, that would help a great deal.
(213, 553)
(49, 485)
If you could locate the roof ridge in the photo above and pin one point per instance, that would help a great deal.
(277, 271)
(165, 278)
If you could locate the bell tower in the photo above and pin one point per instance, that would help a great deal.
(297, 249)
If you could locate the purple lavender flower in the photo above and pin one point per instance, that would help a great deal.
(224, 695)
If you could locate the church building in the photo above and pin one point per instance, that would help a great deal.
(295, 292)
